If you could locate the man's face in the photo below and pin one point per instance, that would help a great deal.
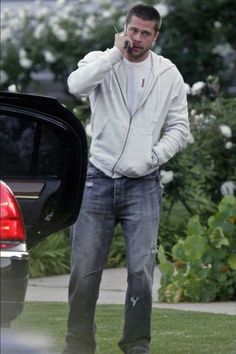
(143, 34)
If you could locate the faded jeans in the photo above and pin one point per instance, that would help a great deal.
(135, 203)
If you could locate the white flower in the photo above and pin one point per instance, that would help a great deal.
(26, 63)
(66, 13)
(59, 33)
(22, 53)
(227, 188)
(191, 139)
(39, 30)
(187, 88)
(217, 24)
(229, 145)
(107, 13)
(88, 130)
(224, 50)
(42, 12)
(162, 9)
(193, 112)
(210, 118)
(12, 88)
(197, 88)
(53, 21)
(225, 131)
(3, 76)
(199, 118)
(166, 176)
(49, 57)
(62, 35)
(91, 21)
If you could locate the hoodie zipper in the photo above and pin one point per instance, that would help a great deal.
(130, 121)
(124, 145)
(128, 131)
(126, 139)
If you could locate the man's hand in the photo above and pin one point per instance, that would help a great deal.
(123, 41)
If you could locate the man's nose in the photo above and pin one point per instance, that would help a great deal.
(137, 36)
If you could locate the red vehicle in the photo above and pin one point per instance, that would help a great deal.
(43, 164)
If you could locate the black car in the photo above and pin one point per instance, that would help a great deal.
(43, 161)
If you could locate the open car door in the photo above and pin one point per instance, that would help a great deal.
(43, 159)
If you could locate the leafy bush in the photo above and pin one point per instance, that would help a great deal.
(117, 255)
(203, 266)
(51, 256)
(206, 169)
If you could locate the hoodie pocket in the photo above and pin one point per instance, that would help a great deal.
(136, 159)
(108, 137)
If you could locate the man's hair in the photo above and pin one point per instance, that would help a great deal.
(146, 13)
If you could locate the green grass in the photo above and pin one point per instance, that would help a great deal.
(173, 331)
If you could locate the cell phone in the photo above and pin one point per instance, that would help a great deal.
(126, 45)
(127, 42)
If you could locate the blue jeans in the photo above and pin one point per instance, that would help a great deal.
(136, 204)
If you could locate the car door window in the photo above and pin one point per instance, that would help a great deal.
(27, 147)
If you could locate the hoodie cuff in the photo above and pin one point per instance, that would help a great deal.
(155, 159)
(114, 55)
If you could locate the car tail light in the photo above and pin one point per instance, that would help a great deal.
(11, 220)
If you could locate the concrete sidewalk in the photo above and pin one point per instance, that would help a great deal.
(112, 291)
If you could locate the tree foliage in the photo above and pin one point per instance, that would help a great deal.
(198, 35)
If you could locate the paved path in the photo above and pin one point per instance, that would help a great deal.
(112, 291)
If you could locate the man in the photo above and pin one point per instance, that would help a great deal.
(134, 95)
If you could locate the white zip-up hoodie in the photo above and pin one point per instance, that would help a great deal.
(136, 145)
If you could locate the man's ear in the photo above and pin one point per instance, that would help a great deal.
(156, 36)
(155, 39)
